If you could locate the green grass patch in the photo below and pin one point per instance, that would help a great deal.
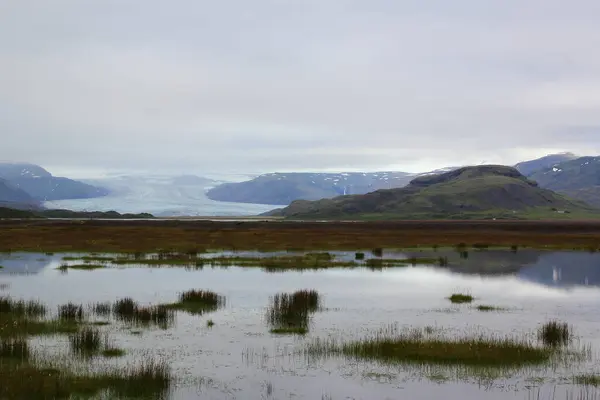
(197, 302)
(113, 352)
(149, 379)
(298, 330)
(459, 298)
(83, 267)
(587, 380)
(418, 349)
(17, 326)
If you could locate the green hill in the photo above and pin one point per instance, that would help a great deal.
(487, 191)
(578, 178)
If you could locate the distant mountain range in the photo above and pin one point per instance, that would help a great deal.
(578, 178)
(283, 188)
(487, 191)
(25, 185)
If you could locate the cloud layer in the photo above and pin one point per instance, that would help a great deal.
(297, 85)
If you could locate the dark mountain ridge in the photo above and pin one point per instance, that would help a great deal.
(494, 189)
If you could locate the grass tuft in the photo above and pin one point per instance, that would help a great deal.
(210, 323)
(554, 333)
(22, 308)
(83, 267)
(71, 312)
(197, 302)
(459, 298)
(14, 348)
(86, 343)
(113, 352)
(290, 330)
(290, 313)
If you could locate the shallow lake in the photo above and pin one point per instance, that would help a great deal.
(238, 357)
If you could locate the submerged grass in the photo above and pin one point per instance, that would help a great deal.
(554, 333)
(459, 298)
(483, 307)
(197, 302)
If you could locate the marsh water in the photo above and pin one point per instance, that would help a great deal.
(238, 357)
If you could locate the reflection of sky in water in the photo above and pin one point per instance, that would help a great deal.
(239, 356)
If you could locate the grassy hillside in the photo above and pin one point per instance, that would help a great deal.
(470, 192)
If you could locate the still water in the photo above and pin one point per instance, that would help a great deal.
(238, 358)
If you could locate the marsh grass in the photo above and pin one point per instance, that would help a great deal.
(22, 308)
(86, 342)
(128, 311)
(359, 256)
(71, 312)
(148, 380)
(101, 309)
(290, 330)
(14, 348)
(290, 313)
(197, 302)
(460, 298)
(4, 286)
(554, 333)
(81, 267)
(416, 348)
(113, 352)
(587, 380)
(210, 323)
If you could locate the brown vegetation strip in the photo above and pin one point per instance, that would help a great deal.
(145, 236)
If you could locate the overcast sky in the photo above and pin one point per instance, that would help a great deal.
(267, 85)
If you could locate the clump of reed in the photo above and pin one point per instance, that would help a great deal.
(554, 334)
(14, 348)
(290, 313)
(71, 312)
(102, 309)
(86, 342)
(129, 311)
(420, 349)
(197, 302)
(461, 298)
(22, 308)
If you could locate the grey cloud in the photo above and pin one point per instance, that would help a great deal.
(274, 85)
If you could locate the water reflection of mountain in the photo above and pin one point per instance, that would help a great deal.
(552, 268)
(484, 262)
(564, 269)
(23, 263)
